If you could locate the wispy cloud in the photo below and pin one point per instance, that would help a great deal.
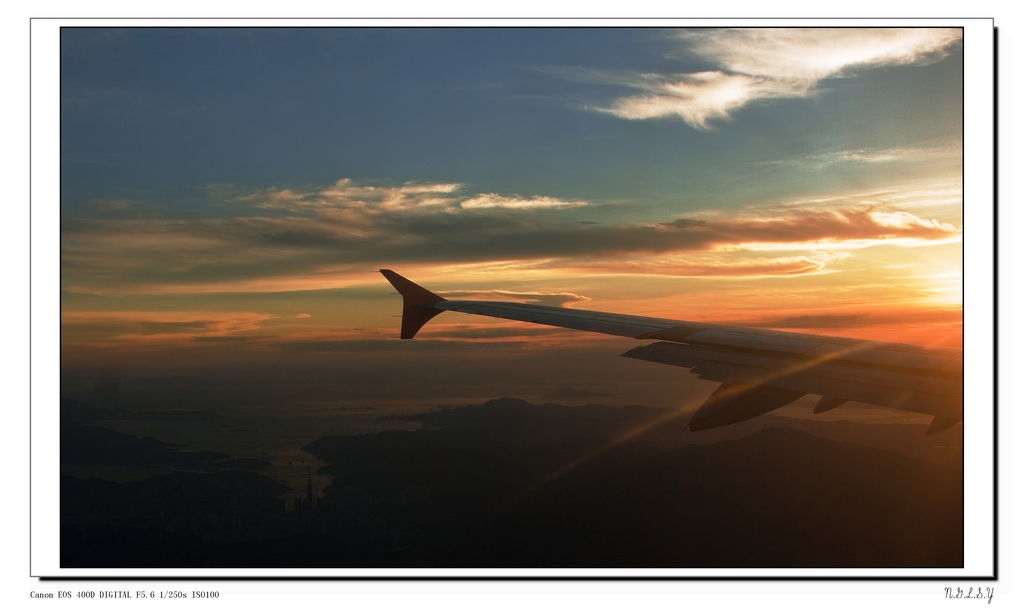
(818, 161)
(488, 201)
(161, 327)
(715, 265)
(496, 332)
(346, 198)
(557, 299)
(925, 198)
(746, 65)
(697, 98)
(811, 54)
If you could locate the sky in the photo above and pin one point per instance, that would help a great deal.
(227, 196)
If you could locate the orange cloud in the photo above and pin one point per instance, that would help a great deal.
(159, 327)
(708, 265)
(557, 299)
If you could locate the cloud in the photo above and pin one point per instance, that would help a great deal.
(697, 98)
(765, 64)
(328, 240)
(487, 201)
(818, 161)
(844, 319)
(903, 220)
(556, 299)
(833, 228)
(811, 54)
(160, 326)
(928, 198)
(346, 196)
(453, 336)
(351, 203)
(716, 265)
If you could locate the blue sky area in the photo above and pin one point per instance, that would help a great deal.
(161, 115)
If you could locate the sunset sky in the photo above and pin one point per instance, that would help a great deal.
(228, 194)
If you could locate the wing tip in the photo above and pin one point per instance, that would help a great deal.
(411, 293)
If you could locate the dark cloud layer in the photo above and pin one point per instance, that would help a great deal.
(283, 235)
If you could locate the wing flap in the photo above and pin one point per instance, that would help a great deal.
(827, 403)
(738, 401)
(893, 389)
(689, 356)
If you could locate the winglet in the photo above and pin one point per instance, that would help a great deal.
(417, 303)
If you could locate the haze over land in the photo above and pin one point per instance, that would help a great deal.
(512, 484)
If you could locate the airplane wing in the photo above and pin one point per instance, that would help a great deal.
(760, 370)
